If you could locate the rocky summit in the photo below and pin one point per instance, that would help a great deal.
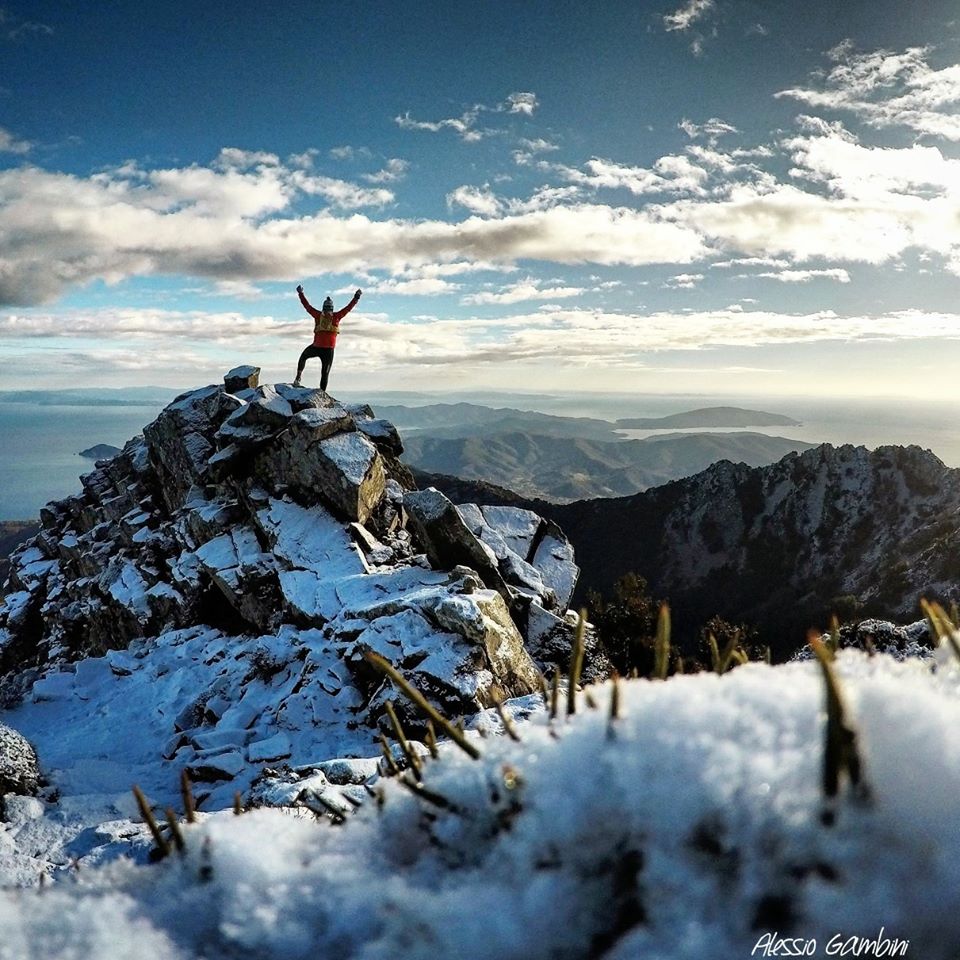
(204, 603)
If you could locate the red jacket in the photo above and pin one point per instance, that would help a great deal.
(327, 325)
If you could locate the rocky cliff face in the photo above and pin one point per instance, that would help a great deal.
(213, 588)
(780, 544)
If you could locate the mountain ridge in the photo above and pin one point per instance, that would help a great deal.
(781, 545)
(567, 469)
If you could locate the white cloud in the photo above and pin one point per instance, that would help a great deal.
(237, 159)
(394, 170)
(485, 203)
(684, 17)
(670, 174)
(129, 323)
(341, 193)
(684, 281)
(305, 160)
(479, 200)
(16, 28)
(454, 268)
(784, 221)
(527, 289)
(416, 287)
(712, 129)
(239, 289)
(11, 144)
(538, 145)
(524, 103)
(802, 276)
(141, 338)
(463, 125)
(751, 262)
(834, 157)
(888, 89)
(58, 230)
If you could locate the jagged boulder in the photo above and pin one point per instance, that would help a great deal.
(321, 458)
(244, 574)
(245, 377)
(381, 432)
(439, 528)
(181, 439)
(19, 767)
(533, 555)
(257, 420)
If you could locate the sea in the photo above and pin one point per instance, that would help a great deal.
(40, 444)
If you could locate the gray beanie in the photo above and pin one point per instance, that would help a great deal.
(328, 305)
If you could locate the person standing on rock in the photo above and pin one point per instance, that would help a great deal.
(326, 326)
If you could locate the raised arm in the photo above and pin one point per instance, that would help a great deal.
(313, 311)
(340, 314)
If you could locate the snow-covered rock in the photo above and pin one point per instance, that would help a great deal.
(244, 377)
(19, 768)
(206, 602)
(440, 527)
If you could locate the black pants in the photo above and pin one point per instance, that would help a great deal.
(326, 362)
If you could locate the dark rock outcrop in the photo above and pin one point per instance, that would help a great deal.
(240, 378)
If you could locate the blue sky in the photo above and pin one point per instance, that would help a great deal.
(717, 196)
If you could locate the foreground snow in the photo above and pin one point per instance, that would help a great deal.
(689, 829)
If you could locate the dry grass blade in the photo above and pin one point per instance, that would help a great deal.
(942, 627)
(555, 694)
(431, 740)
(834, 633)
(412, 759)
(388, 756)
(175, 830)
(331, 808)
(714, 653)
(435, 799)
(614, 703)
(840, 751)
(158, 838)
(186, 792)
(730, 652)
(237, 804)
(418, 699)
(507, 723)
(576, 664)
(661, 652)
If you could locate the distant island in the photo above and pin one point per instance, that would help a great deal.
(709, 417)
(100, 451)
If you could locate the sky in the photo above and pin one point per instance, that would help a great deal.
(680, 196)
